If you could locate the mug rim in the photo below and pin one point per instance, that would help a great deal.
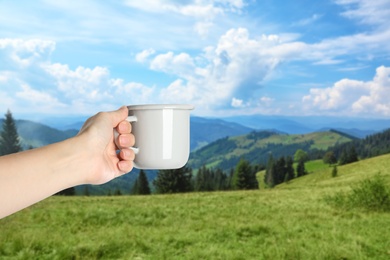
(160, 106)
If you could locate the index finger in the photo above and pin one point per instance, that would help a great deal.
(124, 127)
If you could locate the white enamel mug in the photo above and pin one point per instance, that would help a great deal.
(162, 135)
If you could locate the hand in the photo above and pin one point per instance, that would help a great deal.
(104, 162)
(89, 158)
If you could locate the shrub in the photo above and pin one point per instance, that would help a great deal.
(334, 171)
(370, 194)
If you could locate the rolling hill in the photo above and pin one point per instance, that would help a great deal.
(34, 134)
(256, 146)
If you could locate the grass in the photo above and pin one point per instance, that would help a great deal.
(291, 221)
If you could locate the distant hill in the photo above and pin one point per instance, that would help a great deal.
(262, 122)
(256, 146)
(205, 130)
(358, 127)
(36, 134)
(353, 132)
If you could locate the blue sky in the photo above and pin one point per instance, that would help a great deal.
(227, 57)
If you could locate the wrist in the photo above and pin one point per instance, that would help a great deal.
(70, 162)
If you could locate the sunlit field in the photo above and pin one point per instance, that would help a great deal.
(292, 221)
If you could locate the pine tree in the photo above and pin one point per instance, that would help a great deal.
(67, 192)
(220, 180)
(334, 171)
(343, 157)
(352, 155)
(86, 191)
(289, 169)
(134, 189)
(229, 181)
(143, 184)
(269, 172)
(244, 177)
(280, 170)
(174, 181)
(301, 171)
(200, 179)
(9, 139)
(348, 156)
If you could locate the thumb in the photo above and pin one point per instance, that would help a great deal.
(119, 115)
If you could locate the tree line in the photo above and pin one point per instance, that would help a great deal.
(370, 146)
(243, 177)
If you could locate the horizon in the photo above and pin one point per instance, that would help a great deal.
(287, 124)
(226, 57)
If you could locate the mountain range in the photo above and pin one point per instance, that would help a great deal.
(207, 130)
(220, 142)
(358, 127)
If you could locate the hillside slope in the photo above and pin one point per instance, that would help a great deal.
(348, 174)
(36, 134)
(256, 146)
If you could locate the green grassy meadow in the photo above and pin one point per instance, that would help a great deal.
(291, 221)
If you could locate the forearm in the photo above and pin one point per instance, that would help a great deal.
(30, 176)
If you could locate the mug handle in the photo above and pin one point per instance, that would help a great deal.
(116, 134)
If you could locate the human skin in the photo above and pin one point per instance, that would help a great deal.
(88, 158)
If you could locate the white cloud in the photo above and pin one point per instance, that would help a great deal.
(204, 12)
(308, 21)
(181, 64)
(35, 98)
(144, 55)
(235, 67)
(266, 101)
(23, 53)
(378, 98)
(79, 83)
(32, 84)
(238, 65)
(132, 92)
(366, 11)
(352, 97)
(203, 28)
(237, 102)
(88, 87)
(203, 9)
(179, 92)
